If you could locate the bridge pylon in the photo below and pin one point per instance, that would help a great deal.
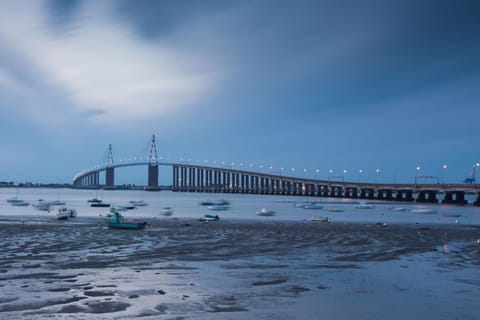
(153, 166)
(109, 171)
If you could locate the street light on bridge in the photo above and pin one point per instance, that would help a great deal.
(443, 174)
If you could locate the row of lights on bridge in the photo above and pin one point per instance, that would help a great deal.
(331, 172)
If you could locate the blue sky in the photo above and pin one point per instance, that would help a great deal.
(328, 85)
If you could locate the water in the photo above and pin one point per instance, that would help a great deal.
(242, 206)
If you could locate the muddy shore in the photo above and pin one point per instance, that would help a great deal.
(183, 269)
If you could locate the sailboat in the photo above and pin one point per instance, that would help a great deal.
(95, 202)
(15, 199)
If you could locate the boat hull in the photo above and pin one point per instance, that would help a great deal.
(127, 225)
(100, 205)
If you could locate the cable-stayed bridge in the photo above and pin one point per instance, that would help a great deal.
(188, 177)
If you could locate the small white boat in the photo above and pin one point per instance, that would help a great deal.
(365, 206)
(139, 203)
(423, 211)
(57, 203)
(397, 209)
(209, 217)
(42, 205)
(265, 212)
(300, 204)
(320, 219)
(313, 206)
(218, 207)
(14, 200)
(20, 203)
(166, 211)
(66, 213)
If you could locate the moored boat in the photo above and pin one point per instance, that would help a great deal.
(320, 219)
(423, 211)
(313, 206)
(166, 211)
(365, 206)
(139, 203)
(57, 203)
(42, 205)
(265, 212)
(100, 204)
(218, 207)
(66, 213)
(14, 200)
(20, 203)
(115, 220)
(209, 217)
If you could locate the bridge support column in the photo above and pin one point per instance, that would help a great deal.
(429, 196)
(405, 195)
(336, 191)
(176, 179)
(454, 197)
(385, 194)
(367, 193)
(351, 192)
(153, 176)
(201, 180)
(110, 177)
(322, 191)
(477, 201)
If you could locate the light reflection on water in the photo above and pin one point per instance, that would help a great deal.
(187, 205)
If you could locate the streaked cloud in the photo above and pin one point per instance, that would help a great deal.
(100, 65)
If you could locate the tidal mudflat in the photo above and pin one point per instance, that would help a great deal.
(237, 269)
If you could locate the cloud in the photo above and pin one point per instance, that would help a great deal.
(101, 65)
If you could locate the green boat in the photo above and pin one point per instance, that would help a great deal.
(127, 225)
(115, 220)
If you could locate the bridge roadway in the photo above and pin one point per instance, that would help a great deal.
(199, 178)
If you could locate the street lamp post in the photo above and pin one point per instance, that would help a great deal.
(416, 175)
(443, 174)
(475, 172)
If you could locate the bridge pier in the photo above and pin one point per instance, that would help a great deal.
(110, 177)
(323, 191)
(153, 176)
(404, 195)
(385, 194)
(367, 193)
(454, 197)
(335, 191)
(477, 201)
(351, 192)
(429, 196)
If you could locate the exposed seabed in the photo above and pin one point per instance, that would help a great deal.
(237, 269)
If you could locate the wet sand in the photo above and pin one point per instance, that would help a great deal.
(232, 269)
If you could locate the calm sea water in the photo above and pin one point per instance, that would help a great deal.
(187, 205)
